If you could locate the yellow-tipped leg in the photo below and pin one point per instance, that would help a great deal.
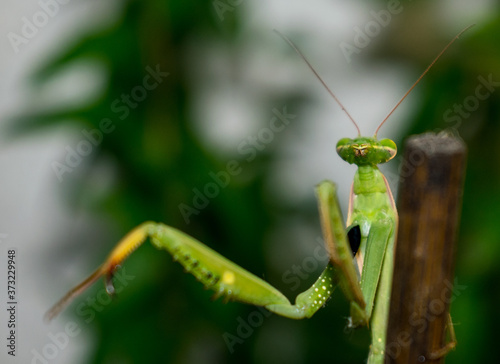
(123, 249)
(70, 296)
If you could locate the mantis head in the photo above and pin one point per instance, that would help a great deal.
(366, 151)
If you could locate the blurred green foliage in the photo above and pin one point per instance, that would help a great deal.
(163, 316)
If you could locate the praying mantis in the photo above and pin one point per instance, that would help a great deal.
(361, 255)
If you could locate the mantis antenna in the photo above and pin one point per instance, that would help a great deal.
(422, 75)
(399, 102)
(319, 78)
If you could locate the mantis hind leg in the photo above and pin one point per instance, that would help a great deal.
(449, 346)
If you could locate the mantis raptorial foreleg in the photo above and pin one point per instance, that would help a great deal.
(380, 314)
(376, 250)
(230, 280)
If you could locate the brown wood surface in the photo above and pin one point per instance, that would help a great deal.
(429, 205)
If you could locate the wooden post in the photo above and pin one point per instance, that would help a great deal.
(429, 205)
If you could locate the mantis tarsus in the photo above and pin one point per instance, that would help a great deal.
(365, 278)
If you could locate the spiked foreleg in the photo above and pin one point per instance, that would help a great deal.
(340, 253)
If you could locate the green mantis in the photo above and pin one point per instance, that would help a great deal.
(364, 274)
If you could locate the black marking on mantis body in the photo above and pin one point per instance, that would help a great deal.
(354, 237)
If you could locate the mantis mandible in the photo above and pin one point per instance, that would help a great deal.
(361, 261)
